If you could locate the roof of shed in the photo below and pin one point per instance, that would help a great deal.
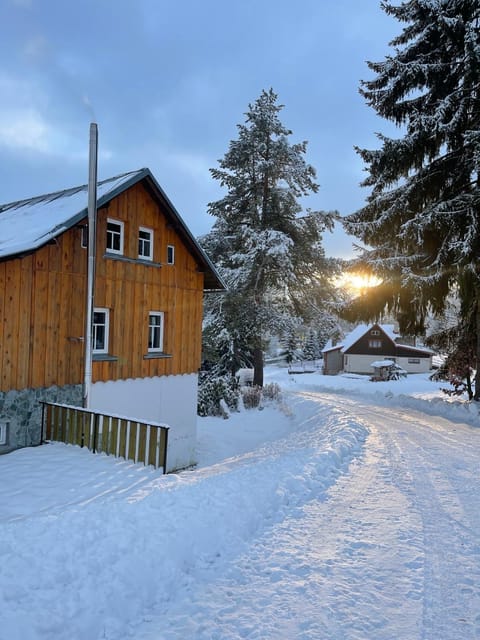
(29, 224)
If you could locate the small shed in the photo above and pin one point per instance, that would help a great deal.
(386, 370)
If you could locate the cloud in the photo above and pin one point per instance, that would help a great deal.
(36, 48)
(194, 165)
(30, 121)
(23, 129)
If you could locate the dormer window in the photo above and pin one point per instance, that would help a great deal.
(115, 236)
(145, 243)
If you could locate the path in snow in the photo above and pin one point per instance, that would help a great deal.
(391, 551)
(350, 521)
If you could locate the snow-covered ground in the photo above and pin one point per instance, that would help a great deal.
(350, 512)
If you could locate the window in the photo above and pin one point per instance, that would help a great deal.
(145, 243)
(414, 361)
(101, 318)
(375, 344)
(374, 332)
(115, 236)
(170, 254)
(155, 331)
(3, 433)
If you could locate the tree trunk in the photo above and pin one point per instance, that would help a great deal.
(258, 366)
(477, 364)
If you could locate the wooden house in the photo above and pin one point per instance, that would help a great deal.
(369, 343)
(150, 277)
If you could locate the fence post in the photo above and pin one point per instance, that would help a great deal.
(165, 451)
(82, 437)
(43, 423)
(95, 430)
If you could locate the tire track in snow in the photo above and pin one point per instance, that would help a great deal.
(432, 465)
(344, 564)
(390, 551)
(451, 538)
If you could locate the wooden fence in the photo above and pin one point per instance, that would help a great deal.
(114, 435)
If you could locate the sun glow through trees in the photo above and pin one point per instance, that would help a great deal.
(357, 283)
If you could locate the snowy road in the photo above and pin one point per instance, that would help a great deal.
(344, 519)
(391, 551)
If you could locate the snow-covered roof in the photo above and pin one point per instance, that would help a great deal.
(26, 225)
(419, 349)
(359, 331)
(29, 224)
(382, 363)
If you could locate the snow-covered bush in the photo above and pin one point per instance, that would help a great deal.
(271, 391)
(212, 390)
(217, 393)
(252, 397)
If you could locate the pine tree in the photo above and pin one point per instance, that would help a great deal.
(272, 261)
(289, 343)
(310, 346)
(422, 216)
(323, 333)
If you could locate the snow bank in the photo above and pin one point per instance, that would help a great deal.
(90, 544)
(416, 391)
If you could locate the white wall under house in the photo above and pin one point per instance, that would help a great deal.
(412, 364)
(357, 363)
(170, 400)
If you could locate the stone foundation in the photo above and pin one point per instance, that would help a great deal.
(21, 413)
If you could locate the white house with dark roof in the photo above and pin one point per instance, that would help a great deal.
(369, 343)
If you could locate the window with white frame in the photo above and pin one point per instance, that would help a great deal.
(101, 322)
(115, 236)
(374, 332)
(170, 254)
(375, 344)
(3, 433)
(155, 331)
(145, 243)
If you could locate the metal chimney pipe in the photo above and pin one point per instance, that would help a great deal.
(92, 220)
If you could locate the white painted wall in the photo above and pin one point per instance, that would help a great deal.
(423, 366)
(166, 399)
(359, 364)
(362, 364)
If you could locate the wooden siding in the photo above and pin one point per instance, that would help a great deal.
(42, 303)
(388, 348)
(332, 361)
(406, 352)
(41, 317)
(361, 346)
(131, 289)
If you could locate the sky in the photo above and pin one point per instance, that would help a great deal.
(349, 510)
(168, 81)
